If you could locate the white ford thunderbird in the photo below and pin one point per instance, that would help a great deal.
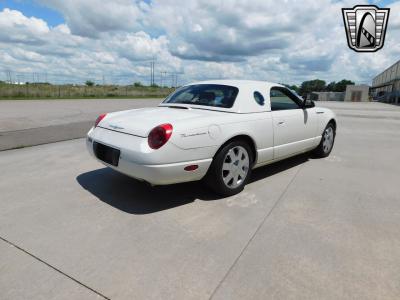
(213, 130)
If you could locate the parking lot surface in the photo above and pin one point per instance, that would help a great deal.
(25, 123)
(27, 114)
(303, 228)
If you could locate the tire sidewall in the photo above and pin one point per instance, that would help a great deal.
(214, 178)
(321, 147)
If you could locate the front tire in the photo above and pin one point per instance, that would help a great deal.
(230, 169)
(328, 139)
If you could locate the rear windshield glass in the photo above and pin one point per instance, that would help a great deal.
(205, 94)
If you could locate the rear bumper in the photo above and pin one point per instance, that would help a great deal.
(155, 174)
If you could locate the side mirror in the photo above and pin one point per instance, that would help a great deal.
(308, 104)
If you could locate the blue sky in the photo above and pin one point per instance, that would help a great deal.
(382, 3)
(34, 9)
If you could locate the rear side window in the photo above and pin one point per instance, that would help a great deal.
(259, 98)
(216, 95)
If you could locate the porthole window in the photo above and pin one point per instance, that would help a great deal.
(259, 98)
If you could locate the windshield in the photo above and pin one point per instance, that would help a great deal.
(205, 94)
(298, 96)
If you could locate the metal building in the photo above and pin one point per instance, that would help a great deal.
(357, 93)
(386, 86)
(326, 96)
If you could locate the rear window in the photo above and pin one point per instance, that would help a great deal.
(215, 95)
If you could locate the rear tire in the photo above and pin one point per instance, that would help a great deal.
(327, 141)
(230, 169)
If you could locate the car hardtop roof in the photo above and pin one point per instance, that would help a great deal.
(239, 83)
(243, 102)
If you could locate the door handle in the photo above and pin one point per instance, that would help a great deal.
(320, 112)
(281, 122)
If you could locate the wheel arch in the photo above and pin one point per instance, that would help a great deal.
(242, 137)
(333, 121)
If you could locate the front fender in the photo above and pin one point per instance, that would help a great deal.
(325, 115)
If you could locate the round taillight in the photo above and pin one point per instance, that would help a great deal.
(99, 118)
(159, 135)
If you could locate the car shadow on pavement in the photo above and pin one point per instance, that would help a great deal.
(135, 197)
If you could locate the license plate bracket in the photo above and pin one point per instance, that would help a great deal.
(106, 153)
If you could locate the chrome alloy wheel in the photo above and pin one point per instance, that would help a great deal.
(235, 167)
(328, 137)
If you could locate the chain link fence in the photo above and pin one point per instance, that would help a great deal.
(28, 85)
(43, 91)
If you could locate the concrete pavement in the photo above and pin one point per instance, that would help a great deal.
(27, 114)
(303, 228)
(33, 122)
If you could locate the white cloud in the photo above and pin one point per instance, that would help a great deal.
(16, 28)
(394, 17)
(288, 41)
(90, 18)
(43, 49)
(138, 46)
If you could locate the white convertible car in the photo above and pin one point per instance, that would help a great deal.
(213, 130)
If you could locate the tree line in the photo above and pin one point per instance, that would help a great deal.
(318, 85)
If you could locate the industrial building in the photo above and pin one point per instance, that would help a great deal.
(326, 96)
(354, 93)
(357, 93)
(386, 85)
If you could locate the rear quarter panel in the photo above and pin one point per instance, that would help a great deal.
(214, 132)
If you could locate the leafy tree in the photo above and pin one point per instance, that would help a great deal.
(338, 86)
(331, 86)
(89, 83)
(137, 84)
(309, 86)
(341, 85)
(292, 87)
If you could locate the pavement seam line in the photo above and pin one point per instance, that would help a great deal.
(254, 234)
(48, 126)
(54, 268)
(41, 144)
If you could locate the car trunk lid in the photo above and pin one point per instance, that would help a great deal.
(139, 122)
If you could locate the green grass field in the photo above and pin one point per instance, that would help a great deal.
(48, 91)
